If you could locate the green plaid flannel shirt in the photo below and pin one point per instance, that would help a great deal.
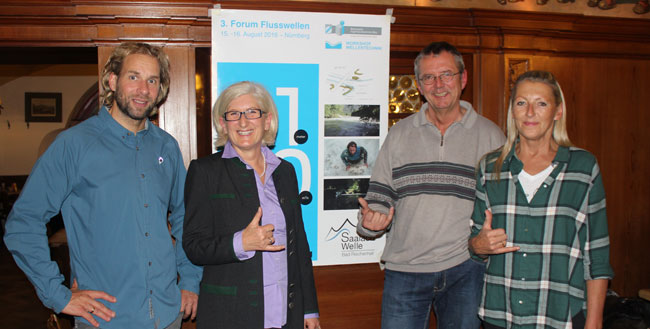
(562, 235)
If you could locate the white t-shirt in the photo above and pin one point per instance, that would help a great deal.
(531, 183)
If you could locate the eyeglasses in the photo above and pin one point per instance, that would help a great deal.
(429, 79)
(250, 114)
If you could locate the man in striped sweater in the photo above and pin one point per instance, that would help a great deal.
(421, 196)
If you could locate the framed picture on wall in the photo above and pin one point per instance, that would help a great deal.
(42, 107)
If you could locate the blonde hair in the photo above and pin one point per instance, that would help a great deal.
(262, 97)
(560, 135)
(116, 61)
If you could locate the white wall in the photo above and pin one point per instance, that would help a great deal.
(19, 145)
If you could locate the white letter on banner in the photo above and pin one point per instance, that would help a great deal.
(293, 110)
(304, 165)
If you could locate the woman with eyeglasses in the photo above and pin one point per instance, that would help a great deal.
(243, 223)
(540, 219)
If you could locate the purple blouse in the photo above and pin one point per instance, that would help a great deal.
(274, 264)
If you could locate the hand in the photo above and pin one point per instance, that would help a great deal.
(347, 167)
(256, 237)
(489, 241)
(189, 301)
(312, 323)
(374, 220)
(83, 303)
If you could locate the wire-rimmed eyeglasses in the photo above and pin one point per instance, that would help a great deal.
(429, 79)
(250, 114)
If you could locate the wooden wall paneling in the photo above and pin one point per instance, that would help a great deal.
(349, 296)
(178, 114)
(490, 90)
(591, 103)
(401, 62)
(159, 9)
(468, 93)
(639, 184)
(72, 35)
(490, 39)
(103, 53)
(591, 108)
(307, 6)
(203, 102)
(579, 81)
(514, 66)
(626, 140)
(614, 156)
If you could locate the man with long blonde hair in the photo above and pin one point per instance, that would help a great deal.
(115, 178)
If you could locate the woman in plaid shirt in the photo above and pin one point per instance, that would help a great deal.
(540, 220)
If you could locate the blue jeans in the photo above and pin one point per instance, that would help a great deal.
(455, 294)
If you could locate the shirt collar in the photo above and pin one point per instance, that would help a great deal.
(272, 161)
(116, 128)
(466, 121)
(561, 156)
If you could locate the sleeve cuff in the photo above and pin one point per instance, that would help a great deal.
(191, 282)
(366, 233)
(59, 303)
(238, 247)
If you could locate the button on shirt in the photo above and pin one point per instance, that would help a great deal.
(114, 190)
(562, 235)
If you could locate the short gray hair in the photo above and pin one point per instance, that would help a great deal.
(239, 89)
(434, 49)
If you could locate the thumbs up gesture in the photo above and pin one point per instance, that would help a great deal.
(256, 237)
(490, 241)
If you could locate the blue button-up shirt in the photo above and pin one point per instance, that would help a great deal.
(115, 190)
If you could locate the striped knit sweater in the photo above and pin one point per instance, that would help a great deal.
(430, 180)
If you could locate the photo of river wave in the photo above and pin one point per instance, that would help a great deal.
(351, 120)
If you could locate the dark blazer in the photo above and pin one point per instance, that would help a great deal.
(221, 199)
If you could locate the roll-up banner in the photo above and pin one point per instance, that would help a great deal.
(328, 75)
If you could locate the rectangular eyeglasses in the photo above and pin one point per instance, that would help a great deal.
(429, 79)
(250, 114)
